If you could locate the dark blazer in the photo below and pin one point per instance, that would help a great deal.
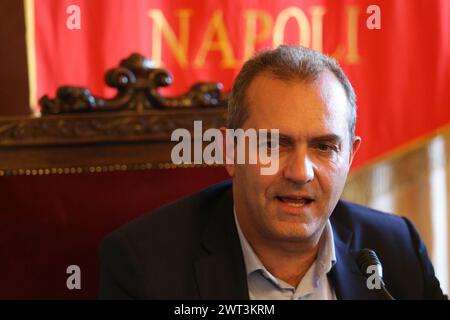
(190, 249)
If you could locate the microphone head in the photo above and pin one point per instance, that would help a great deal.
(366, 258)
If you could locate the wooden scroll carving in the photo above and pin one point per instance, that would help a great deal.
(137, 82)
(80, 132)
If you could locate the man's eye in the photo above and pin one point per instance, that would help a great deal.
(326, 147)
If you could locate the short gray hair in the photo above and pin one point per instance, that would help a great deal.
(286, 63)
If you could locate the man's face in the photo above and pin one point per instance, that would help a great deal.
(315, 153)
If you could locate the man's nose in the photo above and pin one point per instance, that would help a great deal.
(299, 168)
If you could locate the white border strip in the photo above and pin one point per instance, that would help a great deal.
(31, 55)
(439, 223)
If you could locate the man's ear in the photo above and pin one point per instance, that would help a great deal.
(355, 147)
(228, 153)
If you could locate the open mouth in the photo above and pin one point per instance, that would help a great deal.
(295, 201)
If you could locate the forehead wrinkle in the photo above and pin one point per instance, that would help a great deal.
(322, 91)
(327, 137)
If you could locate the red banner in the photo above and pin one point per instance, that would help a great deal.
(401, 71)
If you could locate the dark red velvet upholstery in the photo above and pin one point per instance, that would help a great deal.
(51, 222)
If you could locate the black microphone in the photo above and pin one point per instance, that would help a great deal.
(366, 258)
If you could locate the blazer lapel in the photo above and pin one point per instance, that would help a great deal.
(349, 283)
(220, 273)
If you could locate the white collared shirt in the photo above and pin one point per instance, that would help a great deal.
(315, 285)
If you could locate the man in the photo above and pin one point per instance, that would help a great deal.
(280, 236)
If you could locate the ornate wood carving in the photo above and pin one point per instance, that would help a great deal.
(93, 142)
(79, 132)
(98, 128)
(137, 82)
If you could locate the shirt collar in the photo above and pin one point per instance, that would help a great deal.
(325, 260)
